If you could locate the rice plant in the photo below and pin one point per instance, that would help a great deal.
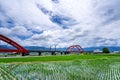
(99, 69)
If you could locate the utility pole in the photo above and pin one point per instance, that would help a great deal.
(50, 48)
(55, 46)
(0, 43)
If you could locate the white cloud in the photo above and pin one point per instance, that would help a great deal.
(88, 22)
(21, 31)
(17, 31)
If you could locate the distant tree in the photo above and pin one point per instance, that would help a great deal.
(105, 50)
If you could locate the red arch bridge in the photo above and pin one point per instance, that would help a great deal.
(23, 51)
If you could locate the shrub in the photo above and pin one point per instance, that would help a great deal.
(105, 50)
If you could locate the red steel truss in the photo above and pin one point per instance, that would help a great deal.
(18, 49)
(75, 48)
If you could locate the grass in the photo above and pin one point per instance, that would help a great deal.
(55, 58)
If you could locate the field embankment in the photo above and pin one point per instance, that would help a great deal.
(55, 58)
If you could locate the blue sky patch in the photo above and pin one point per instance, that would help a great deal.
(55, 1)
(61, 20)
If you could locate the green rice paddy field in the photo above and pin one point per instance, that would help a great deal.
(65, 67)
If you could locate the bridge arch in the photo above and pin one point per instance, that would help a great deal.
(75, 48)
(18, 47)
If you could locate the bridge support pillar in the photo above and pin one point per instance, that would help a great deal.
(53, 53)
(61, 53)
(23, 54)
(39, 53)
(66, 52)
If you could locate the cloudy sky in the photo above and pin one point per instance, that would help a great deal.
(61, 22)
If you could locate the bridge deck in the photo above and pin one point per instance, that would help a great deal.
(44, 51)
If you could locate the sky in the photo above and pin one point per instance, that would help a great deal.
(61, 22)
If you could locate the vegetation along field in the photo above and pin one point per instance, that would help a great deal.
(67, 67)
